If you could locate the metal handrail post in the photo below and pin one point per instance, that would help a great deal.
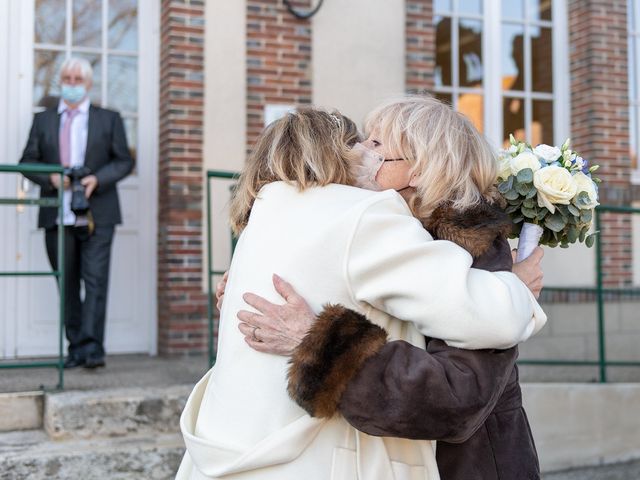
(61, 282)
(602, 359)
(212, 360)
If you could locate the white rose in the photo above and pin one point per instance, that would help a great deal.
(524, 160)
(554, 185)
(504, 167)
(585, 184)
(547, 153)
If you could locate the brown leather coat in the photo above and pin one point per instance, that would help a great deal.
(470, 401)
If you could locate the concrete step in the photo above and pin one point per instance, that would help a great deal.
(114, 412)
(33, 455)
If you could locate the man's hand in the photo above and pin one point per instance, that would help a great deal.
(54, 178)
(90, 183)
(529, 270)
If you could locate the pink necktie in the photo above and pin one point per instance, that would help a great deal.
(65, 138)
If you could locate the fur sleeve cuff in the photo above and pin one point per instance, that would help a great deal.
(329, 356)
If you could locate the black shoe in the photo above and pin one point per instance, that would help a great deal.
(94, 361)
(74, 361)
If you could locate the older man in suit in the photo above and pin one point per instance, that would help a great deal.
(91, 142)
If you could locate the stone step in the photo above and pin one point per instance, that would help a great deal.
(114, 412)
(21, 411)
(33, 455)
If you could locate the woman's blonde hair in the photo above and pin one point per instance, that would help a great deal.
(308, 147)
(451, 160)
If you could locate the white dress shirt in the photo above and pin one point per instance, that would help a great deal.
(78, 147)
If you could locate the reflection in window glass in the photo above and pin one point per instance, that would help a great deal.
(512, 57)
(444, 97)
(470, 53)
(470, 104)
(123, 25)
(513, 119)
(87, 23)
(443, 51)
(46, 85)
(442, 6)
(542, 122)
(539, 9)
(470, 6)
(50, 21)
(513, 9)
(541, 55)
(122, 84)
(131, 128)
(96, 64)
(633, 87)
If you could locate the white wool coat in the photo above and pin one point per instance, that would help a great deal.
(364, 250)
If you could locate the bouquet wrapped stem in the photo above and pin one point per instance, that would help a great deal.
(529, 239)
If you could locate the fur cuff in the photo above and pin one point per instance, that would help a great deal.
(329, 356)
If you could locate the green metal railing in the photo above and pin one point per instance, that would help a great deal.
(224, 175)
(59, 273)
(602, 362)
(599, 291)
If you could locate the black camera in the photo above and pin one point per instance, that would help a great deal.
(79, 201)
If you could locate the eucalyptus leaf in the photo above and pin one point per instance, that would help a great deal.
(518, 219)
(525, 175)
(512, 209)
(583, 233)
(504, 187)
(572, 234)
(523, 189)
(532, 193)
(511, 195)
(586, 216)
(529, 203)
(590, 240)
(528, 212)
(574, 211)
(555, 222)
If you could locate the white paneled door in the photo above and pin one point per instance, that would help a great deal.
(120, 39)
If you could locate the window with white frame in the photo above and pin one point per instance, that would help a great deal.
(633, 17)
(105, 32)
(495, 63)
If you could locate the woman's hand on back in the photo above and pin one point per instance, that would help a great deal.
(530, 271)
(220, 288)
(276, 329)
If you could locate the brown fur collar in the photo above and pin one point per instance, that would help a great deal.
(331, 353)
(474, 229)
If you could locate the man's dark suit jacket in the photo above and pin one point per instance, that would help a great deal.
(107, 156)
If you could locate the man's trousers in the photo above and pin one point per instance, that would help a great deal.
(86, 259)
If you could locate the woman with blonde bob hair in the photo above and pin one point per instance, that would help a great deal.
(357, 248)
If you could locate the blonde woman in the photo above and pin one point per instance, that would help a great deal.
(468, 400)
(346, 245)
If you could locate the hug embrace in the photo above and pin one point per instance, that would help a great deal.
(385, 346)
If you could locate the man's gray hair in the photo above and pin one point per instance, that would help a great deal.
(73, 63)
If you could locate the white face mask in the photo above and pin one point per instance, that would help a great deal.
(365, 167)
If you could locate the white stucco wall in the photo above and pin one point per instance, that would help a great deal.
(225, 112)
(358, 54)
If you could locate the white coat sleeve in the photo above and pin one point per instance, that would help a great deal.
(394, 265)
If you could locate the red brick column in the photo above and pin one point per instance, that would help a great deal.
(182, 307)
(278, 59)
(420, 42)
(600, 117)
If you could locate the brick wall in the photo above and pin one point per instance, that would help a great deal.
(278, 59)
(600, 118)
(420, 45)
(182, 304)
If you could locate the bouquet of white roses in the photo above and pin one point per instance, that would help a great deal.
(550, 193)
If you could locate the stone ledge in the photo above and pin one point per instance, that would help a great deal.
(21, 411)
(114, 412)
(32, 455)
